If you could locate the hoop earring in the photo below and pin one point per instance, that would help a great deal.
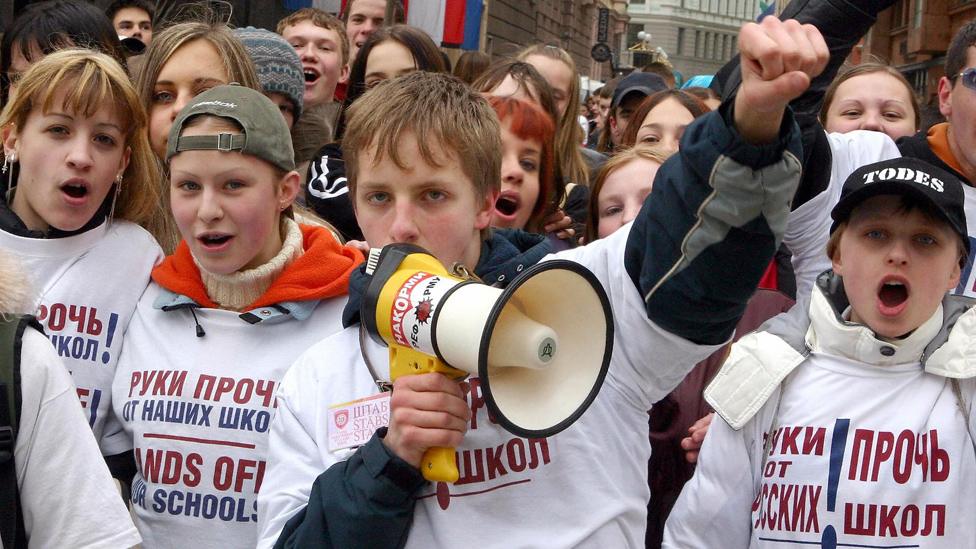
(115, 198)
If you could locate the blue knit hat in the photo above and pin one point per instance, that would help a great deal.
(278, 66)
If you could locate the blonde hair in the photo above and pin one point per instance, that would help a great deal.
(232, 54)
(443, 113)
(569, 134)
(639, 152)
(92, 80)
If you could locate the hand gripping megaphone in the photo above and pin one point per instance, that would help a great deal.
(541, 346)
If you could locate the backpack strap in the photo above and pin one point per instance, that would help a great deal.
(12, 327)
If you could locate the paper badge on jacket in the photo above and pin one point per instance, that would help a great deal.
(352, 423)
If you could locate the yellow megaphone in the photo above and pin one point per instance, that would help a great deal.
(541, 346)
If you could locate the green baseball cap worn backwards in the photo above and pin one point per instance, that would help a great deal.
(265, 136)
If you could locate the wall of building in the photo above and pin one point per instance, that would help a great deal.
(569, 24)
(913, 36)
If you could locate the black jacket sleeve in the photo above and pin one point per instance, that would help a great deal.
(715, 216)
(842, 23)
(366, 501)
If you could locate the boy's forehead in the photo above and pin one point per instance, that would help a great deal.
(407, 151)
(132, 12)
(369, 8)
(309, 30)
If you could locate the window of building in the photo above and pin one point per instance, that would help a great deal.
(680, 48)
(899, 14)
(698, 43)
(632, 31)
(917, 78)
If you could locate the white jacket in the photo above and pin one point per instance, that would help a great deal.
(848, 438)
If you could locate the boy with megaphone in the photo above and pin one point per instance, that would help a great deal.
(423, 156)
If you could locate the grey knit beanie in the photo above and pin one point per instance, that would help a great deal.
(278, 66)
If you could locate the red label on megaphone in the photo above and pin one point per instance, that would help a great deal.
(414, 307)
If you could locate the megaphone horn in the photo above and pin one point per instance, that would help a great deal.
(541, 347)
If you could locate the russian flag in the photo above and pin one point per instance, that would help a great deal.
(450, 23)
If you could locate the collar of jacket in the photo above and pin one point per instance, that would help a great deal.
(503, 257)
(759, 362)
(319, 273)
(299, 310)
(10, 222)
(944, 343)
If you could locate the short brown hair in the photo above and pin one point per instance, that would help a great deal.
(958, 53)
(471, 65)
(318, 18)
(442, 112)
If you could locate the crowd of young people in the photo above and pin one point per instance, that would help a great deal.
(185, 218)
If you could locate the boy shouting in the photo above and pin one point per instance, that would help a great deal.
(856, 432)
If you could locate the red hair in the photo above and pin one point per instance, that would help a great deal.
(531, 123)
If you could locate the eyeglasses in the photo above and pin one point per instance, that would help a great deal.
(968, 78)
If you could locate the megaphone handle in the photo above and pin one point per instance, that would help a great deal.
(438, 465)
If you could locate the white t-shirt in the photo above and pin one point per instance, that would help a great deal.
(88, 286)
(198, 409)
(67, 493)
(585, 486)
(904, 477)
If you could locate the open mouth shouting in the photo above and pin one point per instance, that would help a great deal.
(312, 76)
(214, 241)
(893, 295)
(76, 191)
(507, 206)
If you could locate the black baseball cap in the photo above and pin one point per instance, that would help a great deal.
(920, 181)
(644, 83)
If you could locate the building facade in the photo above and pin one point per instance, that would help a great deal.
(569, 24)
(697, 36)
(913, 36)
